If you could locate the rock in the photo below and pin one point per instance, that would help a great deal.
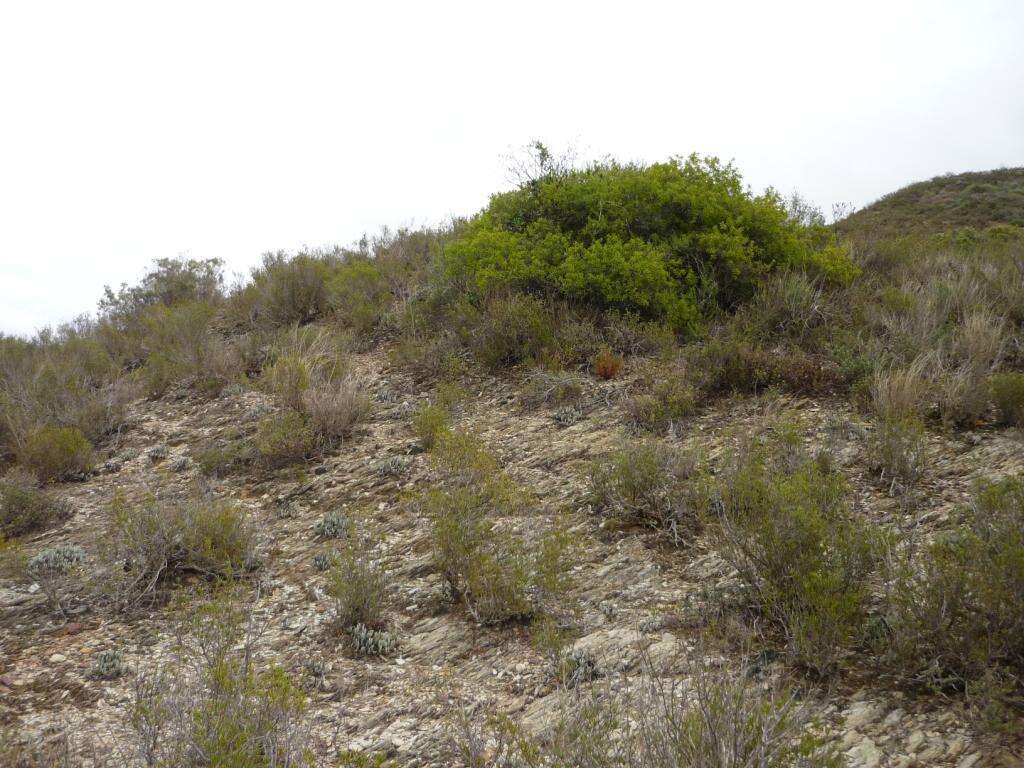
(865, 755)
(915, 741)
(967, 761)
(613, 650)
(541, 716)
(58, 658)
(862, 714)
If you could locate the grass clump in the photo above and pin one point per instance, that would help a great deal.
(429, 423)
(1008, 395)
(649, 484)
(957, 605)
(151, 542)
(283, 439)
(668, 403)
(56, 453)
(222, 460)
(24, 507)
(334, 410)
(784, 523)
(898, 450)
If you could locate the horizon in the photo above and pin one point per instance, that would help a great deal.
(140, 134)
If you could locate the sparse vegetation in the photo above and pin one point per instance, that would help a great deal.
(283, 439)
(56, 453)
(24, 507)
(1008, 394)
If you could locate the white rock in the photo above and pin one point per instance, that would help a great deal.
(865, 755)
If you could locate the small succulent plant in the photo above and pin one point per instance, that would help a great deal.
(333, 525)
(372, 642)
(394, 466)
(322, 561)
(568, 416)
(108, 665)
(56, 560)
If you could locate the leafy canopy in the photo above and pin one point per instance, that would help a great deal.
(661, 240)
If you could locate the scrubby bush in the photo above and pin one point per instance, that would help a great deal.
(283, 439)
(222, 460)
(1008, 395)
(24, 507)
(498, 575)
(545, 387)
(717, 719)
(669, 402)
(169, 282)
(649, 484)
(285, 291)
(334, 524)
(56, 453)
(511, 329)
(957, 606)
(288, 378)
(897, 450)
(211, 704)
(108, 665)
(784, 523)
(58, 572)
(607, 364)
(358, 587)
(150, 542)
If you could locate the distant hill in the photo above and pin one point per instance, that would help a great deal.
(977, 200)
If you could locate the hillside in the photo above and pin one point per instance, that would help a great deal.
(627, 464)
(953, 201)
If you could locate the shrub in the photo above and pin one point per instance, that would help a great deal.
(429, 423)
(287, 291)
(24, 507)
(784, 524)
(55, 453)
(646, 483)
(732, 363)
(169, 282)
(288, 378)
(607, 364)
(510, 330)
(150, 542)
(210, 704)
(1008, 395)
(670, 401)
(221, 460)
(897, 450)
(718, 718)
(552, 388)
(957, 607)
(899, 394)
(358, 587)
(499, 576)
(642, 239)
(335, 410)
(283, 439)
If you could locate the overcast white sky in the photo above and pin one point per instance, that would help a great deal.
(137, 130)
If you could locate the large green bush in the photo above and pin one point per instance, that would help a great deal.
(659, 240)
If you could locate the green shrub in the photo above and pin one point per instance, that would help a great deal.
(784, 523)
(358, 587)
(230, 712)
(1008, 395)
(283, 439)
(151, 542)
(429, 423)
(498, 575)
(511, 329)
(637, 238)
(24, 507)
(957, 607)
(287, 291)
(649, 484)
(55, 453)
(222, 460)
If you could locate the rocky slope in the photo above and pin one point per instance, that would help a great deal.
(637, 596)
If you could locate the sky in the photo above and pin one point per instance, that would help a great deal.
(132, 131)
